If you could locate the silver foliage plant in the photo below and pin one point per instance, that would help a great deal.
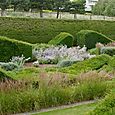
(59, 53)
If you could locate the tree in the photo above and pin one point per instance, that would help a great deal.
(104, 7)
(4, 5)
(59, 5)
(77, 6)
(23, 5)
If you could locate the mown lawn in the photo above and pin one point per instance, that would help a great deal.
(78, 110)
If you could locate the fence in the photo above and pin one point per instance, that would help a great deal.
(63, 15)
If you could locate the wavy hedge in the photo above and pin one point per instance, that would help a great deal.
(63, 38)
(43, 30)
(90, 38)
(10, 47)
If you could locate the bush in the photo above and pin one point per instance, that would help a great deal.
(10, 47)
(106, 106)
(108, 50)
(90, 38)
(87, 65)
(112, 62)
(43, 30)
(8, 66)
(65, 63)
(63, 39)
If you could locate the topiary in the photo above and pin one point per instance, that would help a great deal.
(63, 39)
(10, 47)
(90, 38)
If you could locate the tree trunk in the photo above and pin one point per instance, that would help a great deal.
(2, 12)
(41, 13)
(57, 13)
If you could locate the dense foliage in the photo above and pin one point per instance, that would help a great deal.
(106, 106)
(90, 64)
(90, 38)
(104, 7)
(63, 39)
(43, 30)
(10, 47)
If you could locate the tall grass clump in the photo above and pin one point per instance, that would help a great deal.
(50, 90)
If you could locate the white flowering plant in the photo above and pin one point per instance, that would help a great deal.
(54, 54)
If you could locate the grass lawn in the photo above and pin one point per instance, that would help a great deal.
(78, 110)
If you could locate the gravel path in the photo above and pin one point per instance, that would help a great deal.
(57, 108)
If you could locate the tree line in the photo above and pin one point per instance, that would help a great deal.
(75, 6)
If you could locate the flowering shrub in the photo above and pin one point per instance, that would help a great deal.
(54, 54)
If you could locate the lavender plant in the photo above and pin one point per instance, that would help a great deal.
(59, 53)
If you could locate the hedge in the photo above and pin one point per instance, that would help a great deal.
(10, 47)
(90, 38)
(63, 38)
(106, 106)
(43, 30)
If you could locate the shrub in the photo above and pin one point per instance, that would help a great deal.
(112, 62)
(10, 47)
(65, 63)
(63, 39)
(90, 38)
(106, 106)
(87, 65)
(108, 50)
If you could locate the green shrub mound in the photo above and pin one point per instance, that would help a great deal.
(63, 38)
(87, 65)
(106, 106)
(4, 76)
(108, 50)
(90, 38)
(10, 47)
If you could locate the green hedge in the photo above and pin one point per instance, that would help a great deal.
(106, 106)
(43, 30)
(90, 38)
(63, 38)
(84, 66)
(10, 47)
(108, 50)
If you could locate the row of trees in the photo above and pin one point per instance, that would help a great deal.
(104, 7)
(76, 6)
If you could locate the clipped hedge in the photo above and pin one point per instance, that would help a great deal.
(63, 38)
(90, 38)
(43, 30)
(108, 50)
(10, 47)
(106, 106)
